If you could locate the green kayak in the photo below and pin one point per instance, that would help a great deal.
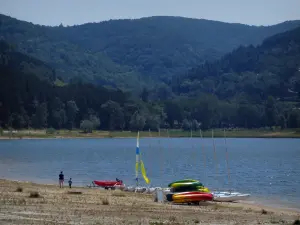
(183, 181)
(186, 184)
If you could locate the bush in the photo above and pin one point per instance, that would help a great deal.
(50, 131)
(105, 201)
(1, 131)
(296, 222)
(86, 126)
(19, 189)
(264, 211)
(34, 194)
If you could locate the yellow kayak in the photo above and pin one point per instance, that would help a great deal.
(204, 189)
(186, 184)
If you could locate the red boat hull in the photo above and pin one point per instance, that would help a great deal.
(107, 183)
(192, 197)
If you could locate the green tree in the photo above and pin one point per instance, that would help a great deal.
(95, 121)
(137, 122)
(195, 125)
(87, 126)
(115, 115)
(72, 111)
(39, 118)
(145, 95)
(270, 111)
(186, 125)
(59, 115)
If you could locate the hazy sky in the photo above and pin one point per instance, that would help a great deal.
(69, 12)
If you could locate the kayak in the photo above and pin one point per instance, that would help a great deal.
(188, 197)
(186, 184)
(169, 196)
(191, 188)
(183, 181)
(108, 183)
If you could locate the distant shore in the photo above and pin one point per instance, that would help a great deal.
(31, 203)
(58, 134)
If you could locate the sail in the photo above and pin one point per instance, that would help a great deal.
(139, 162)
(144, 173)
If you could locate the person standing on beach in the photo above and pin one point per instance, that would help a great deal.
(61, 179)
(70, 183)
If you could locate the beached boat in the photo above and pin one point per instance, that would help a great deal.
(224, 196)
(227, 196)
(139, 164)
(108, 184)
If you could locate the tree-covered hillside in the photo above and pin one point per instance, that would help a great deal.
(130, 53)
(256, 72)
(249, 87)
(29, 100)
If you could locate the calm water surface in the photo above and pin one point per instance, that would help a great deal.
(268, 169)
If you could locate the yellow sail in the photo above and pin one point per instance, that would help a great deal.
(144, 173)
(136, 167)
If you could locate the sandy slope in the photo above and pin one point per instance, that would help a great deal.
(57, 206)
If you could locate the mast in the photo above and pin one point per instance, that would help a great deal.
(215, 155)
(228, 171)
(137, 159)
(202, 147)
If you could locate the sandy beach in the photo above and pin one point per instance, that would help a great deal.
(30, 203)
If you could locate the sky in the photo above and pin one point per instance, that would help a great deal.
(71, 12)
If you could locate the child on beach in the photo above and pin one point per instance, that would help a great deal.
(70, 183)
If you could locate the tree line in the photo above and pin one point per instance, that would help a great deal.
(251, 87)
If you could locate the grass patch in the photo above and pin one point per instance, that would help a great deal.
(22, 202)
(19, 189)
(172, 218)
(118, 194)
(197, 221)
(105, 201)
(175, 133)
(296, 222)
(51, 131)
(34, 194)
(74, 192)
(264, 212)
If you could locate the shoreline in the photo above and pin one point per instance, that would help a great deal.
(76, 134)
(53, 205)
(251, 203)
(57, 138)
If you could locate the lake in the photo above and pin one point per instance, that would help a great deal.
(268, 169)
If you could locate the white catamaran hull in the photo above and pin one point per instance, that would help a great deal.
(229, 196)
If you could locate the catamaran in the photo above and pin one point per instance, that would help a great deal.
(227, 196)
(139, 167)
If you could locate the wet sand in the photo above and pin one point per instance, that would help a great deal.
(95, 206)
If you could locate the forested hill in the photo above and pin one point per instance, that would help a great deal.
(249, 87)
(254, 73)
(28, 65)
(26, 100)
(130, 53)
